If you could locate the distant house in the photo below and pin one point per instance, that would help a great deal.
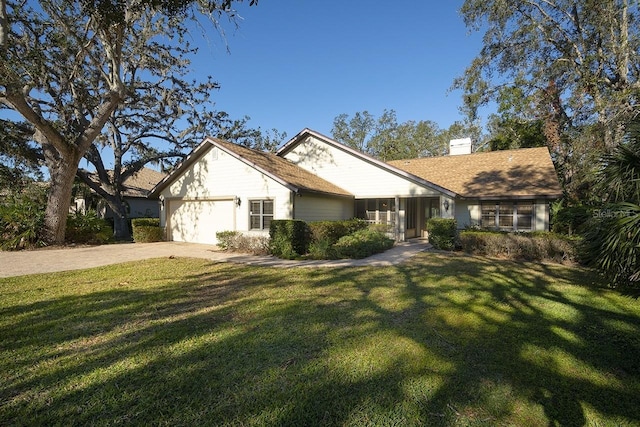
(135, 195)
(223, 186)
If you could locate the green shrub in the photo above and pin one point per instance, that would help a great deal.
(88, 228)
(442, 233)
(145, 222)
(362, 243)
(569, 219)
(22, 219)
(536, 246)
(332, 231)
(147, 230)
(322, 249)
(288, 238)
(355, 224)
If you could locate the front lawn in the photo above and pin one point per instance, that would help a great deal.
(443, 340)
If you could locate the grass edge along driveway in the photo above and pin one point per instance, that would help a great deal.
(441, 340)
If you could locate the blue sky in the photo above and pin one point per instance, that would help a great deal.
(299, 63)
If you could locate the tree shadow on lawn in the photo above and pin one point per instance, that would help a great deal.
(524, 333)
(442, 340)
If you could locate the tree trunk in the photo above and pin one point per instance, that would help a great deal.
(62, 175)
(121, 224)
(121, 229)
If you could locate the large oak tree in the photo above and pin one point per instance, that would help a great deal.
(580, 56)
(70, 67)
(575, 61)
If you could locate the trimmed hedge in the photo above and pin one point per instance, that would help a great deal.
(288, 238)
(442, 233)
(147, 230)
(536, 246)
(362, 243)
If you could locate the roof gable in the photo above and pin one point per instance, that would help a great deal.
(277, 168)
(527, 172)
(280, 169)
(388, 167)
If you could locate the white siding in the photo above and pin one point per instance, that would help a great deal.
(541, 216)
(198, 221)
(217, 176)
(467, 213)
(319, 208)
(359, 177)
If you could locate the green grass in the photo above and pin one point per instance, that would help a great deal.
(445, 340)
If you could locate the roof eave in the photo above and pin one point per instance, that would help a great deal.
(549, 196)
(324, 193)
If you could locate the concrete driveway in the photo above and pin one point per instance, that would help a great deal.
(76, 258)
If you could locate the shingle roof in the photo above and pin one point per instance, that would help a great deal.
(140, 184)
(527, 172)
(281, 169)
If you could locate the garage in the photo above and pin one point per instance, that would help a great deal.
(198, 221)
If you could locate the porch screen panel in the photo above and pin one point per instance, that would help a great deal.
(371, 210)
(411, 213)
(361, 209)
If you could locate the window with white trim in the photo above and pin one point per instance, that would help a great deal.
(260, 214)
(507, 216)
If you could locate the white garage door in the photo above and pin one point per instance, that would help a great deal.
(198, 221)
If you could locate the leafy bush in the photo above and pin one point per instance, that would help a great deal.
(147, 230)
(537, 246)
(332, 231)
(88, 228)
(569, 219)
(288, 238)
(362, 243)
(22, 219)
(237, 242)
(322, 249)
(442, 233)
